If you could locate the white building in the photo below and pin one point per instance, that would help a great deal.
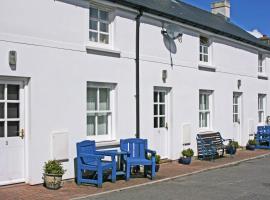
(68, 73)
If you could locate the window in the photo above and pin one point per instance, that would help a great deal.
(261, 68)
(99, 111)
(159, 109)
(236, 107)
(205, 108)
(261, 107)
(204, 49)
(99, 26)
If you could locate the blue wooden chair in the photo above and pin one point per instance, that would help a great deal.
(88, 159)
(137, 151)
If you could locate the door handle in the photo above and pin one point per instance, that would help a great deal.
(166, 125)
(22, 133)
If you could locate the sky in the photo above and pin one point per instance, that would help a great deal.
(248, 14)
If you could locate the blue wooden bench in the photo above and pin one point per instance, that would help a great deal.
(209, 145)
(262, 137)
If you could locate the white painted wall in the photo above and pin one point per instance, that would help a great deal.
(50, 38)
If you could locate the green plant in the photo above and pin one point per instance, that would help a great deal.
(157, 158)
(252, 142)
(53, 167)
(188, 152)
(233, 144)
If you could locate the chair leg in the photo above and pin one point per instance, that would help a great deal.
(127, 171)
(114, 173)
(153, 171)
(145, 168)
(100, 178)
(79, 176)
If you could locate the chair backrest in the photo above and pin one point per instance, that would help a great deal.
(86, 147)
(134, 146)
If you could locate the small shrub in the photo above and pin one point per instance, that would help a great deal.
(252, 142)
(157, 158)
(233, 144)
(188, 152)
(53, 167)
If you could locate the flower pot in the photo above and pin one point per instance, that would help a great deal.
(52, 181)
(231, 150)
(157, 167)
(185, 160)
(250, 147)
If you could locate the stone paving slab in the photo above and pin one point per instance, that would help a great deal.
(167, 170)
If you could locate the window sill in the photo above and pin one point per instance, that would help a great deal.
(206, 67)
(262, 76)
(107, 144)
(103, 51)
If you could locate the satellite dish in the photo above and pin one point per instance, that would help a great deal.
(174, 31)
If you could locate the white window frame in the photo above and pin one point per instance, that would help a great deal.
(158, 104)
(111, 112)
(111, 17)
(261, 63)
(209, 93)
(262, 110)
(202, 53)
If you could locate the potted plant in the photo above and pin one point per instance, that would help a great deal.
(231, 148)
(53, 172)
(251, 145)
(157, 161)
(186, 156)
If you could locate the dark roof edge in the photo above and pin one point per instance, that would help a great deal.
(190, 23)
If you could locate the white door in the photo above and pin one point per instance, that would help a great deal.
(161, 125)
(11, 133)
(237, 116)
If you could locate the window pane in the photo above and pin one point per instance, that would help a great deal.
(201, 57)
(235, 118)
(162, 122)
(13, 110)
(2, 92)
(2, 129)
(104, 27)
(155, 97)
(104, 38)
(201, 49)
(93, 25)
(205, 50)
(13, 92)
(91, 125)
(261, 116)
(162, 97)
(204, 119)
(103, 15)
(103, 124)
(104, 102)
(235, 109)
(205, 58)
(2, 110)
(235, 100)
(156, 109)
(13, 129)
(93, 36)
(91, 98)
(155, 122)
(93, 13)
(162, 109)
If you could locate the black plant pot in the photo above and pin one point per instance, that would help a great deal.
(250, 147)
(157, 167)
(185, 160)
(231, 150)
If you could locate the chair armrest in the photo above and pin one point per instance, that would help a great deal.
(83, 155)
(84, 158)
(153, 153)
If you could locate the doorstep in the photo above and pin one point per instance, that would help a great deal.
(168, 170)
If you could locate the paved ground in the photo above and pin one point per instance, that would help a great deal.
(167, 171)
(248, 180)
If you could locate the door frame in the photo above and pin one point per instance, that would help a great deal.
(168, 115)
(24, 82)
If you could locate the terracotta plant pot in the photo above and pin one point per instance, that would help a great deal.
(52, 181)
